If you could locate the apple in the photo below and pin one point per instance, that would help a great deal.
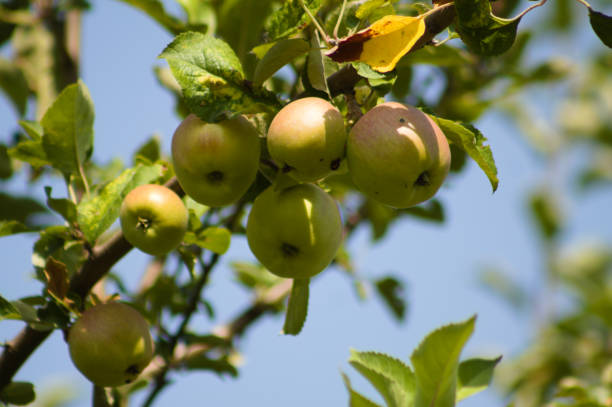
(110, 344)
(294, 232)
(153, 219)
(397, 155)
(215, 163)
(307, 138)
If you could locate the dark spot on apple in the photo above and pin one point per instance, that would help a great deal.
(402, 120)
(286, 168)
(132, 370)
(335, 164)
(289, 250)
(215, 177)
(423, 180)
(321, 160)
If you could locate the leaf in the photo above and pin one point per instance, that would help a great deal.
(155, 10)
(470, 140)
(32, 128)
(200, 13)
(31, 152)
(315, 68)
(297, 309)
(219, 366)
(391, 290)
(21, 209)
(546, 213)
(356, 399)
(291, 18)
(281, 53)
(57, 278)
(97, 213)
(68, 129)
(13, 227)
(211, 78)
(475, 376)
(150, 151)
(254, 275)
(14, 84)
(481, 31)
(371, 8)
(440, 55)
(382, 44)
(7, 310)
(64, 207)
(391, 377)
(18, 393)
(435, 363)
(212, 238)
(602, 25)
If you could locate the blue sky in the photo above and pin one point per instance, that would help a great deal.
(439, 263)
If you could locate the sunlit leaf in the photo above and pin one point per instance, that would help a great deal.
(297, 309)
(291, 18)
(155, 10)
(215, 239)
(475, 376)
(281, 53)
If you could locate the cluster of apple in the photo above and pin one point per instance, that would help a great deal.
(396, 154)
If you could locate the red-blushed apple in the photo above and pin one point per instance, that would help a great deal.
(294, 232)
(215, 163)
(307, 138)
(397, 155)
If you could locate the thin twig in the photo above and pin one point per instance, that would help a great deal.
(337, 27)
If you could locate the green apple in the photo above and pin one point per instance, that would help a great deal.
(110, 344)
(294, 232)
(397, 155)
(307, 138)
(153, 219)
(215, 163)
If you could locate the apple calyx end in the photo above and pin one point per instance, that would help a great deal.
(423, 180)
(289, 250)
(215, 177)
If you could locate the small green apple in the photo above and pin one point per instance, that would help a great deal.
(294, 232)
(110, 344)
(307, 138)
(397, 155)
(153, 219)
(215, 163)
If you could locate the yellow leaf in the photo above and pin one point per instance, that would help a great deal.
(382, 44)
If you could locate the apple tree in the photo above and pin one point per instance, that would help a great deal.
(301, 121)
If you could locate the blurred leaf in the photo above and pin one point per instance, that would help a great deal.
(391, 377)
(356, 399)
(98, 212)
(200, 13)
(374, 78)
(14, 84)
(215, 239)
(6, 166)
(18, 393)
(13, 227)
(281, 53)
(315, 68)
(373, 10)
(602, 25)
(68, 129)
(64, 207)
(32, 128)
(502, 285)
(20, 209)
(436, 362)
(291, 18)
(470, 140)
(254, 275)
(31, 152)
(7, 310)
(439, 55)
(432, 210)
(220, 366)
(481, 31)
(392, 292)
(297, 309)
(475, 376)
(546, 213)
(211, 78)
(57, 278)
(155, 10)
(150, 151)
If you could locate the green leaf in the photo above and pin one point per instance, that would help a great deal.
(150, 151)
(254, 275)
(371, 10)
(64, 207)
(18, 393)
(475, 376)
(546, 213)
(281, 53)
(155, 10)
(297, 309)
(602, 25)
(373, 77)
(97, 213)
(481, 31)
(13, 227)
(391, 377)
(315, 68)
(211, 78)
(440, 55)
(200, 14)
(7, 310)
(31, 152)
(470, 140)
(356, 399)
(291, 18)
(436, 362)
(215, 239)
(20, 209)
(219, 366)
(32, 128)
(391, 290)
(68, 129)
(14, 84)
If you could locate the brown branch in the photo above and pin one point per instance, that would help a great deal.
(100, 261)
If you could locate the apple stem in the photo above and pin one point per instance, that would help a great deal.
(143, 223)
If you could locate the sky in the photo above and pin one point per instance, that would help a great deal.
(438, 263)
